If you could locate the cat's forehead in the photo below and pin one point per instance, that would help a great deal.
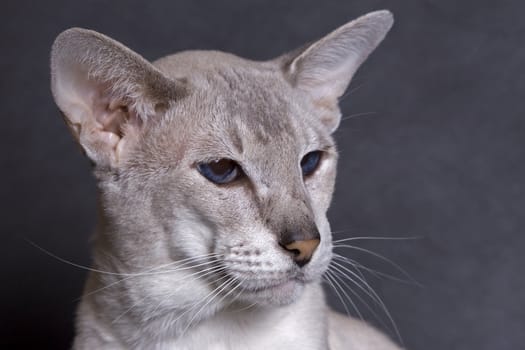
(189, 64)
(222, 81)
(239, 105)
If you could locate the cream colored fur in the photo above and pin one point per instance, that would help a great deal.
(181, 262)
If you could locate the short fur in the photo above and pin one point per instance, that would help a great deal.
(181, 262)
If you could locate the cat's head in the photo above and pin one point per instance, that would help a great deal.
(207, 156)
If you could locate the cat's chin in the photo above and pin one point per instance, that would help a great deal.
(281, 293)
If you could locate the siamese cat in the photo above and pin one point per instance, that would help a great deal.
(214, 175)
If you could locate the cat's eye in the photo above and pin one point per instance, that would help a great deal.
(220, 171)
(310, 162)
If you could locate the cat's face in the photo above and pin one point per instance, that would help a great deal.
(249, 114)
(156, 132)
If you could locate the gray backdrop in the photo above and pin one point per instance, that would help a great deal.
(433, 146)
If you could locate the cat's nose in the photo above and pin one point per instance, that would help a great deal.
(301, 249)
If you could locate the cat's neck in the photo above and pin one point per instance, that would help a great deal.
(118, 315)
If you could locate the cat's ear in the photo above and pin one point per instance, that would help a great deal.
(324, 69)
(106, 92)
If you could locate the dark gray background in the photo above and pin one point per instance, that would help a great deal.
(442, 156)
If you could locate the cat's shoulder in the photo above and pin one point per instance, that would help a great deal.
(347, 333)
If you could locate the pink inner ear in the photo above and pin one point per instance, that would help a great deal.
(113, 126)
(112, 119)
(113, 114)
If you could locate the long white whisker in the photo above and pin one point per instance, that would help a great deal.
(83, 266)
(148, 272)
(349, 261)
(355, 115)
(198, 274)
(374, 272)
(183, 267)
(329, 279)
(361, 299)
(237, 297)
(350, 91)
(339, 267)
(245, 308)
(70, 262)
(399, 268)
(210, 298)
(377, 298)
(357, 238)
(230, 292)
(358, 266)
(211, 271)
(335, 280)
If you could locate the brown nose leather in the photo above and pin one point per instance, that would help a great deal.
(302, 250)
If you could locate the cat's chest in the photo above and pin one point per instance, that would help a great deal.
(218, 337)
(298, 326)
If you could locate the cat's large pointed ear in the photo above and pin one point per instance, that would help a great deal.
(324, 69)
(106, 92)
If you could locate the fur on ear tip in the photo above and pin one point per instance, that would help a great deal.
(78, 33)
(71, 37)
(379, 22)
(382, 15)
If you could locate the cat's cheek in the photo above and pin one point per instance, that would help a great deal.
(320, 188)
(191, 233)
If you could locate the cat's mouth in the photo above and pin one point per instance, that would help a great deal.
(272, 291)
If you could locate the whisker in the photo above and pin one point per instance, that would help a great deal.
(214, 294)
(350, 91)
(329, 279)
(199, 274)
(183, 267)
(237, 297)
(377, 238)
(377, 297)
(69, 262)
(147, 273)
(340, 231)
(376, 273)
(354, 306)
(363, 301)
(338, 267)
(358, 266)
(212, 271)
(230, 292)
(246, 307)
(90, 268)
(399, 268)
(363, 114)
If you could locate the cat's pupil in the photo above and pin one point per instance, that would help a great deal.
(310, 162)
(222, 166)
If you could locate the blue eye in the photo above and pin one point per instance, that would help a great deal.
(310, 162)
(220, 171)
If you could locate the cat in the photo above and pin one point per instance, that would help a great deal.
(214, 175)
